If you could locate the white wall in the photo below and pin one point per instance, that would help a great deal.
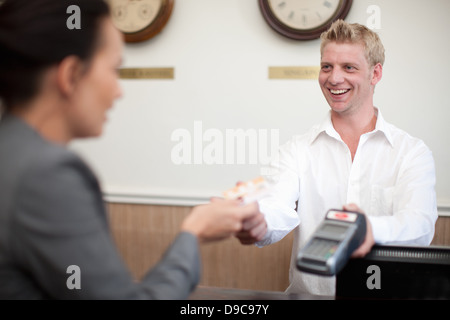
(221, 51)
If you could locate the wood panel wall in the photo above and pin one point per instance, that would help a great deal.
(144, 232)
(442, 232)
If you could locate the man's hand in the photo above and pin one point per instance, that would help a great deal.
(253, 229)
(366, 246)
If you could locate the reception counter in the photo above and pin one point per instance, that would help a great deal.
(216, 293)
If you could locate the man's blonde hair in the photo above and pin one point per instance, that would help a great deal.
(341, 31)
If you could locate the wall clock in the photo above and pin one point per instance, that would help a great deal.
(303, 19)
(140, 20)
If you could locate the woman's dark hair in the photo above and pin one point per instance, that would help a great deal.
(34, 35)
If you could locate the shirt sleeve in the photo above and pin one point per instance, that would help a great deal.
(279, 206)
(60, 221)
(415, 210)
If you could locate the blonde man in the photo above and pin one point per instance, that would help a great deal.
(353, 159)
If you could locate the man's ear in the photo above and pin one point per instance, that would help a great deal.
(69, 73)
(377, 74)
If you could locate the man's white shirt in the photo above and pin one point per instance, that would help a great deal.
(391, 178)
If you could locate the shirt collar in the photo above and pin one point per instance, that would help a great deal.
(383, 126)
(326, 127)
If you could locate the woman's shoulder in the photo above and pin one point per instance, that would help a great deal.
(26, 157)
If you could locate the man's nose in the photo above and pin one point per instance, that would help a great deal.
(336, 76)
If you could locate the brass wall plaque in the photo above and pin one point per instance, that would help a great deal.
(302, 72)
(147, 73)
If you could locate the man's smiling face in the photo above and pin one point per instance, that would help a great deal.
(346, 79)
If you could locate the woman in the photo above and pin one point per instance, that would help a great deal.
(57, 84)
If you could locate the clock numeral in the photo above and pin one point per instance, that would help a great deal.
(282, 5)
(120, 13)
(145, 12)
(291, 15)
(327, 4)
(319, 16)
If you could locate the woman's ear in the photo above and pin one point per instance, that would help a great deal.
(69, 73)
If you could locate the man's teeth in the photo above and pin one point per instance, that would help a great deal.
(339, 91)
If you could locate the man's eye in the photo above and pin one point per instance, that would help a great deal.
(326, 68)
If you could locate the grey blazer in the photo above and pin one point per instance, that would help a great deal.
(52, 216)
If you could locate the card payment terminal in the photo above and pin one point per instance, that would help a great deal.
(331, 245)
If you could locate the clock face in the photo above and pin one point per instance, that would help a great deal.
(134, 15)
(140, 20)
(303, 19)
(304, 14)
